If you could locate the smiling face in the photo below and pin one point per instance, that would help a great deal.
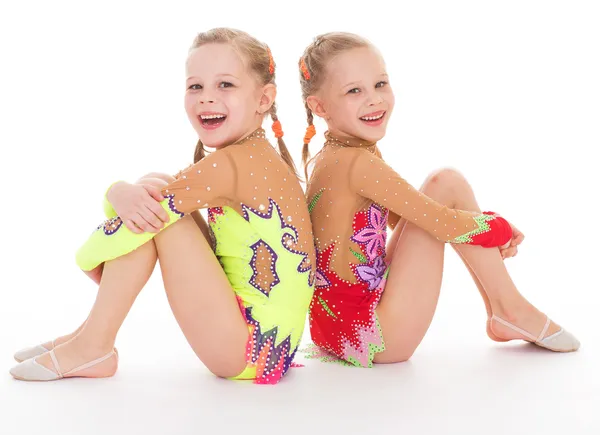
(223, 100)
(355, 98)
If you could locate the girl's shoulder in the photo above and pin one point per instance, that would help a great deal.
(251, 148)
(343, 156)
(254, 157)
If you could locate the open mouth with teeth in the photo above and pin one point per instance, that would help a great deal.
(211, 121)
(373, 119)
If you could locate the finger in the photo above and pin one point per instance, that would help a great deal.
(158, 211)
(151, 218)
(132, 226)
(154, 192)
(519, 238)
(144, 225)
(137, 222)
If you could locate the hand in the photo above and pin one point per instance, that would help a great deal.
(138, 206)
(510, 249)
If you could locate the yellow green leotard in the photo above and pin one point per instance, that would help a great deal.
(262, 236)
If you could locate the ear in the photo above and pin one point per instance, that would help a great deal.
(316, 105)
(269, 92)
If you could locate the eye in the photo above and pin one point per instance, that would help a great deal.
(353, 91)
(195, 87)
(225, 85)
(381, 84)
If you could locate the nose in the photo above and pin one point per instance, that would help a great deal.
(205, 98)
(375, 99)
(205, 101)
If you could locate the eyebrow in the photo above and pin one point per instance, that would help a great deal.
(218, 75)
(350, 84)
(355, 83)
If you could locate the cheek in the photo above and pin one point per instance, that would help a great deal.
(189, 104)
(391, 99)
(235, 106)
(244, 105)
(351, 108)
(342, 110)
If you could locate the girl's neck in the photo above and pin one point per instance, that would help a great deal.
(257, 133)
(336, 139)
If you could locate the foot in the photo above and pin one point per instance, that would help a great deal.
(488, 324)
(71, 359)
(529, 324)
(40, 349)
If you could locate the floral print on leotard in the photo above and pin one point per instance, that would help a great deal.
(353, 195)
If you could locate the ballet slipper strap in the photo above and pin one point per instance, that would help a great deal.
(90, 364)
(556, 334)
(55, 362)
(545, 329)
(514, 328)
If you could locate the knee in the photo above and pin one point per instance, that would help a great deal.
(159, 176)
(445, 176)
(444, 185)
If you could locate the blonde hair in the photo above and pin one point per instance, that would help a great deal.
(313, 64)
(260, 62)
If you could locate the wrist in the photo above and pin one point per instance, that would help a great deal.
(109, 211)
(111, 189)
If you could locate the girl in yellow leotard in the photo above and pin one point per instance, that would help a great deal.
(239, 286)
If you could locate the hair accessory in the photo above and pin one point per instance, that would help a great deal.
(304, 69)
(271, 62)
(277, 129)
(310, 132)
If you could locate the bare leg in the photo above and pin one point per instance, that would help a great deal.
(95, 275)
(63, 338)
(489, 272)
(199, 293)
(122, 280)
(412, 291)
(154, 178)
(202, 299)
(486, 301)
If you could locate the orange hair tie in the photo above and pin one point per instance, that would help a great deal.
(271, 62)
(310, 132)
(304, 69)
(277, 129)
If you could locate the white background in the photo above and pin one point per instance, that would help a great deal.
(507, 92)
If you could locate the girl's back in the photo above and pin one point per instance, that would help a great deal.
(335, 205)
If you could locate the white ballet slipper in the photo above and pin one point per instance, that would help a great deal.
(31, 352)
(561, 341)
(31, 370)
